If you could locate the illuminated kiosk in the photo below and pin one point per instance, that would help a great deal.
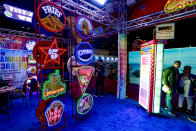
(151, 66)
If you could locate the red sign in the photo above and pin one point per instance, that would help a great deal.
(51, 16)
(49, 52)
(84, 75)
(54, 112)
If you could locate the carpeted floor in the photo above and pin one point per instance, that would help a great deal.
(108, 114)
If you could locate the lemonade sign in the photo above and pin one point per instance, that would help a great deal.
(53, 87)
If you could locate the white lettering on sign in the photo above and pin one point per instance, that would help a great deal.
(48, 9)
(18, 10)
(53, 53)
(84, 52)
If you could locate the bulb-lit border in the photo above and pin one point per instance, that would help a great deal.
(78, 101)
(75, 25)
(177, 6)
(60, 9)
(56, 72)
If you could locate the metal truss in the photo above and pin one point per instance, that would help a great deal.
(122, 16)
(4, 31)
(82, 7)
(160, 17)
(22, 33)
(112, 24)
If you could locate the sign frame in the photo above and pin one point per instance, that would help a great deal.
(42, 23)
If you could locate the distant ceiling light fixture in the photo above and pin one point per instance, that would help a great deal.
(102, 2)
(17, 13)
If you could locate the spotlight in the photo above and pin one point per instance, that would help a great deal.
(102, 2)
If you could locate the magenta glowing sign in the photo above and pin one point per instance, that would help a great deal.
(17, 13)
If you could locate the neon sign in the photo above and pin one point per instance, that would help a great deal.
(84, 75)
(83, 27)
(84, 53)
(84, 104)
(51, 16)
(17, 13)
(54, 113)
(174, 5)
(52, 54)
(53, 87)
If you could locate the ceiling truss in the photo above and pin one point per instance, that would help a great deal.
(111, 23)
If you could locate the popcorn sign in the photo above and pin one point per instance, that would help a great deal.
(54, 113)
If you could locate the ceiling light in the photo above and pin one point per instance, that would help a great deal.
(102, 2)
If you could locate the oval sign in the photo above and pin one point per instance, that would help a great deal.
(84, 53)
(51, 16)
(84, 27)
(84, 103)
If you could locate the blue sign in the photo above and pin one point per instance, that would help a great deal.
(17, 13)
(84, 53)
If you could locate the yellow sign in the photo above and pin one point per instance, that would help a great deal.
(174, 5)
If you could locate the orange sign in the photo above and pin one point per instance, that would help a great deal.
(174, 5)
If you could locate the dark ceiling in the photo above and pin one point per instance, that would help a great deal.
(184, 30)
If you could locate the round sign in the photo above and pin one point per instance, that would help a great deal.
(84, 103)
(83, 27)
(30, 44)
(84, 53)
(51, 16)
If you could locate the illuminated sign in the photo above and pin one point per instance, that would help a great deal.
(158, 77)
(147, 65)
(84, 74)
(98, 30)
(84, 104)
(52, 54)
(174, 5)
(17, 13)
(165, 31)
(54, 113)
(53, 87)
(30, 44)
(84, 53)
(51, 16)
(83, 27)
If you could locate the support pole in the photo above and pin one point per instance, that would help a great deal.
(122, 50)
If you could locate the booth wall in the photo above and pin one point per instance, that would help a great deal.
(185, 55)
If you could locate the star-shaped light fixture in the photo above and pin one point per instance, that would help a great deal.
(53, 53)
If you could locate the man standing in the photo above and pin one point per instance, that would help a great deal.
(170, 81)
(100, 78)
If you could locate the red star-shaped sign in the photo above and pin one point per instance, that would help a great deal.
(52, 53)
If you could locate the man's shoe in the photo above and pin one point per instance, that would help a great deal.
(172, 113)
(192, 119)
(189, 112)
(179, 109)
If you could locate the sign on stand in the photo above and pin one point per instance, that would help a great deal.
(165, 31)
(147, 75)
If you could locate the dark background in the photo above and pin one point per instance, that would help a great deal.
(184, 30)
